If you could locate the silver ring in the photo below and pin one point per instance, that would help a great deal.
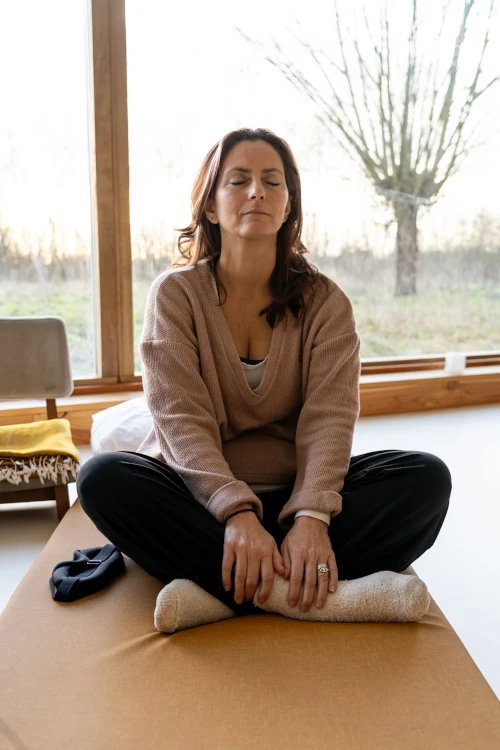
(323, 568)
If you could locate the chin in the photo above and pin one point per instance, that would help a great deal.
(258, 232)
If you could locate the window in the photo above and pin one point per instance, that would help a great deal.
(192, 77)
(45, 185)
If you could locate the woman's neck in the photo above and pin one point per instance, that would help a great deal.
(246, 286)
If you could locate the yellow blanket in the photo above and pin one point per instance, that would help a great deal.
(51, 437)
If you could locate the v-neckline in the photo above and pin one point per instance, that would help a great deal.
(230, 347)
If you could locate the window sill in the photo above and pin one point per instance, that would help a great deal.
(399, 393)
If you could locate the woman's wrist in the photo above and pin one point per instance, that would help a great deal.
(236, 510)
(311, 518)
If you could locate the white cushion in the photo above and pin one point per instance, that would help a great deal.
(122, 427)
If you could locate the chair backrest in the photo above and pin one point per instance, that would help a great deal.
(34, 358)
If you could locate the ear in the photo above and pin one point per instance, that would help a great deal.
(209, 210)
(287, 210)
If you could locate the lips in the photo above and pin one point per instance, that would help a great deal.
(256, 212)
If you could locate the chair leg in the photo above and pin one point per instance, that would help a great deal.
(62, 499)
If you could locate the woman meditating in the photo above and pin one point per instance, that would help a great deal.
(244, 497)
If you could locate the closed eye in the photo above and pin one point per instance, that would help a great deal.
(241, 183)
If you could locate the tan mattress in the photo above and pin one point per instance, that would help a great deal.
(95, 673)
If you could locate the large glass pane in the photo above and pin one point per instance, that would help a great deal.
(192, 77)
(45, 184)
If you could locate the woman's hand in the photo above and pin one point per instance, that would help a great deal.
(256, 554)
(306, 545)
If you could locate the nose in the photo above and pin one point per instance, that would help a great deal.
(257, 189)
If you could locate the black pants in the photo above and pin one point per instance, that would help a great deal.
(393, 506)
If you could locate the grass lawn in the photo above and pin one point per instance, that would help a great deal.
(464, 319)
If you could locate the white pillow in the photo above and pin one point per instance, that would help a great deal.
(122, 427)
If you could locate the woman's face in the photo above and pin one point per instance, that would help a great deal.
(252, 177)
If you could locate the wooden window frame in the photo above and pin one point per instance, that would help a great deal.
(390, 378)
(113, 267)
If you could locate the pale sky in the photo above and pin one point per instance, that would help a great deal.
(192, 78)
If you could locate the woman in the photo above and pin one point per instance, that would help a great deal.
(247, 473)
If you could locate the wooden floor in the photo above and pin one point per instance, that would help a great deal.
(461, 570)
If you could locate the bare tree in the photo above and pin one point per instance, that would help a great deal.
(408, 143)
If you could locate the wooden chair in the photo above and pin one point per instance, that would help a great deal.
(35, 363)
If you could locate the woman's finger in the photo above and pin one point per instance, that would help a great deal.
(286, 559)
(296, 576)
(228, 560)
(240, 573)
(267, 579)
(334, 572)
(277, 560)
(322, 587)
(310, 581)
(253, 573)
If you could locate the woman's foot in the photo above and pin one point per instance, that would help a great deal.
(183, 604)
(380, 597)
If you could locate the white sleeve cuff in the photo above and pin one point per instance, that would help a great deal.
(315, 514)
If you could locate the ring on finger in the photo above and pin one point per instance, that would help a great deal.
(322, 568)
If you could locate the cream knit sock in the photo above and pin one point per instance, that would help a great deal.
(380, 597)
(183, 604)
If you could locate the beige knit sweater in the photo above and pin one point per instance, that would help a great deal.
(216, 432)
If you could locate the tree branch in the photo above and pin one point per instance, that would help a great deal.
(348, 78)
(389, 93)
(401, 139)
(382, 157)
(472, 94)
(423, 149)
(445, 112)
(405, 152)
(458, 159)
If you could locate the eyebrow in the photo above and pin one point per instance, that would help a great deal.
(243, 169)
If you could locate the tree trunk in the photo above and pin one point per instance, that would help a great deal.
(406, 249)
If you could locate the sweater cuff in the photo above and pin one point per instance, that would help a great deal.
(315, 514)
(229, 496)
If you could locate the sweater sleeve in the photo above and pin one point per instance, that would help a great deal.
(183, 414)
(330, 409)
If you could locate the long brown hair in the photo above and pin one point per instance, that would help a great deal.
(293, 276)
